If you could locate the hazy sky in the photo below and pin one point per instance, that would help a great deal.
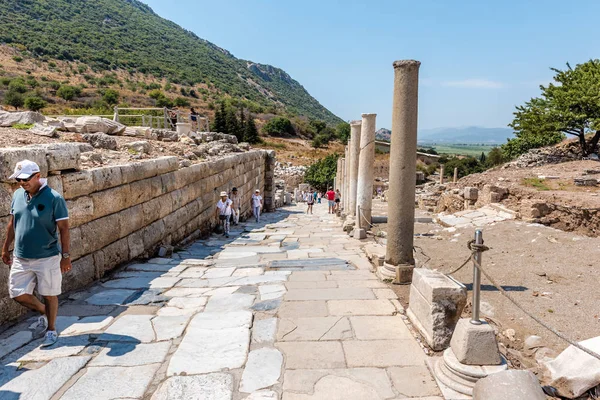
(479, 58)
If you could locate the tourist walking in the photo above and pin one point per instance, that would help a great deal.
(337, 199)
(310, 201)
(236, 207)
(257, 204)
(194, 119)
(331, 200)
(223, 210)
(37, 214)
(319, 195)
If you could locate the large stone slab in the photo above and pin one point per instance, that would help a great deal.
(361, 307)
(131, 354)
(14, 341)
(415, 381)
(170, 326)
(142, 283)
(330, 294)
(314, 329)
(269, 292)
(130, 328)
(299, 309)
(383, 353)
(108, 383)
(302, 381)
(86, 325)
(218, 386)
(378, 327)
(226, 303)
(213, 341)
(42, 383)
(312, 354)
(109, 297)
(66, 347)
(262, 370)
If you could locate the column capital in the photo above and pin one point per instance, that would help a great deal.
(368, 115)
(355, 122)
(406, 64)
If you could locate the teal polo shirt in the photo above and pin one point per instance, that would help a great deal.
(36, 232)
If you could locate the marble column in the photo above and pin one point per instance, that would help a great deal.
(455, 175)
(364, 188)
(346, 193)
(355, 128)
(442, 171)
(399, 260)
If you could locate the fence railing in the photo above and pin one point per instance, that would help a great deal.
(168, 119)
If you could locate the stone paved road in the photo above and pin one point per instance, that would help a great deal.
(283, 310)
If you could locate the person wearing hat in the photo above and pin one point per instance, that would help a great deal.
(257, 204)
(224, 212)
(38, 214)
(236, 206)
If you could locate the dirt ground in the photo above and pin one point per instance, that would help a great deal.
(554, 274)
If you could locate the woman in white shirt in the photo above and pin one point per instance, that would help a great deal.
(257, 204)
(223, 210)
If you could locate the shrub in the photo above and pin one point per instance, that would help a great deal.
(278, 126)
(182, 102)
(14, 99)
(34, 103)
(110, 96)
(17, 59)
(320, 174)
(22, 126)
(17, 85)
(68, 92)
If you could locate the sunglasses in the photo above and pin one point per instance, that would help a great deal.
(25, 179)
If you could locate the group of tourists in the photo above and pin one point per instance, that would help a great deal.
(312, 196)
(229, 208)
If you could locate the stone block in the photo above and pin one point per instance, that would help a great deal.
(110, 201)
(533, 209)
(135, 241)
(134, 217)
(81, 210)
(77, 184)
(435, 305)
(111, 256)
(81, 275)
(61, 156)
(475, 344)
(471, 193)
(153, 234)
(10, 156)
(6, 194)
(100, 232)
(106, 177)
(509, 385)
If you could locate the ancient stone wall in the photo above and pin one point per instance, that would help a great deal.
(119, 213)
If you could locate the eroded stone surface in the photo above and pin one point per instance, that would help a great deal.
(131, 354)
(216, 386)
(262, 369)
(109, 297)
(263, 331)
(130, 328)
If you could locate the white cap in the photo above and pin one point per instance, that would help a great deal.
(257, 191)
(223, 194)
(24, 169)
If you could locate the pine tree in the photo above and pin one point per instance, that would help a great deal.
(219, 124)
(242, 122)
(251, 133)
(482, 158)
(232, 125)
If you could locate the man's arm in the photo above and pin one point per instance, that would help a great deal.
(10, 236)
(65, 244)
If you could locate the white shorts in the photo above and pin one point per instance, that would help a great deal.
(28, 273)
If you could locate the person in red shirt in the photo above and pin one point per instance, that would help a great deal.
(331, 198)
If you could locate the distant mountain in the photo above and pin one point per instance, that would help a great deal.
(470, 134)
(383, 134)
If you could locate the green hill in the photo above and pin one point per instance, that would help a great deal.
(127, 35)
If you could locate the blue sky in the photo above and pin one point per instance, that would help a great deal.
(479, 58)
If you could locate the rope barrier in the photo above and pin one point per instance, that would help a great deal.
(476, 248)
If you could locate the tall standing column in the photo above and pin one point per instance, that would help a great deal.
(399, 260)
(364, 189)
(355, 128)
(345, 193)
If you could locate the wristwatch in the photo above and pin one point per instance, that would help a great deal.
(66, 255)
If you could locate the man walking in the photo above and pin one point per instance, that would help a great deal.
(257, 204)
(236, 207)
(331, 200)
(38, 213)
(224, 211)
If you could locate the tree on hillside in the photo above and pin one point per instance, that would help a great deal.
(14, 99)
(278, 126)
(110, 96)
(219, 122)
(494, 157)
(251, 133)
(342, 131)
(321, 174)
(232, 125)
(569, 106)
(482, 158)
(34, 103)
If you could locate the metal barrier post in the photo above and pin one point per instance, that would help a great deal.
(477, 280)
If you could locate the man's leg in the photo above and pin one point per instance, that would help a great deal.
(51, 311)
(32, 302)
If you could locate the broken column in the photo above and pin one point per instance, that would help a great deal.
(455, 175)
(355, 127)
(442, 168)
(399, 262)
(364, 188)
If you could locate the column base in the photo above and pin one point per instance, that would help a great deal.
(360, 233)
(399, 274)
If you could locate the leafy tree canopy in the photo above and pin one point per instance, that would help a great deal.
(569, 106)
(321, 174)
(278, 126)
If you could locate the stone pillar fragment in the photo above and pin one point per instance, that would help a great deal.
(364, 189)
(455, 175)
(346, 193)
(399, 260)
(355, 129)
(442, 170)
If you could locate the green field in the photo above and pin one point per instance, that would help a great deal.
(474, 150)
